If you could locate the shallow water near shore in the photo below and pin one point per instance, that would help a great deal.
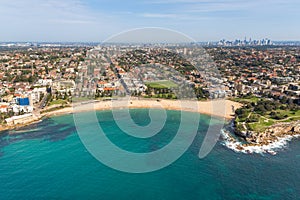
(48, 161)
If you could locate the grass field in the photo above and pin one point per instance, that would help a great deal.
(246, 99)
(58, 102)
(161, 84)
(261, 125)
(286, 113)
(263, 113)
(266, 121)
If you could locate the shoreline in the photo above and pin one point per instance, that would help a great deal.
(271, 148)
(203, 107)
(270, 145)
(214, 108)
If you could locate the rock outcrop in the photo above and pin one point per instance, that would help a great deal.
(272, 133)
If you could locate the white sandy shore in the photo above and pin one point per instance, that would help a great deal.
(220, 108)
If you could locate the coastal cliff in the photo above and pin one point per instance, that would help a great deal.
(274, 132)
(269, 141)
(271, 134)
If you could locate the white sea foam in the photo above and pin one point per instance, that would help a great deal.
(237, 145)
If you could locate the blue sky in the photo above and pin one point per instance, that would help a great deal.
(96, 20)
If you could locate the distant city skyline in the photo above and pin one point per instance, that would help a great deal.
(95, 21)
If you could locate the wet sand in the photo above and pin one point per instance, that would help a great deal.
(219, 108)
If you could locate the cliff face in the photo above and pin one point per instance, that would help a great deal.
(272, 133)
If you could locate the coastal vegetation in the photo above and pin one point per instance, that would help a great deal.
(258, 114)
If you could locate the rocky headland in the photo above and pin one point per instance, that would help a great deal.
(272, 138)
(272, 133)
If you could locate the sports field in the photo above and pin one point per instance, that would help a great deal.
(162, 84)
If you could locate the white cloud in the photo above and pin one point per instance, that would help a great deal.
(55, 20)
(38, 10)
(221, 5)
(158, 15)
(63, 21)
(78, 20)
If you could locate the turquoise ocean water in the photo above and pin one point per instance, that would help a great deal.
(48, 161)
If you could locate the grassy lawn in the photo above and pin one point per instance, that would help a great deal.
(261, 125)
(238, 119)
(58, 102)
(294, 113)
(264, 123)
(162, 84)
(264, 113)
(292, 119)
(79, 99)
(287, 113)
(246, 99)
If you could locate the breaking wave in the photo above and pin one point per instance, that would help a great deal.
(236, 144)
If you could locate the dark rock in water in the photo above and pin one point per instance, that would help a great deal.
(296, 128)
(42, 130)
(242, 134)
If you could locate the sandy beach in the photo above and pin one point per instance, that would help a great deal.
(219, 108)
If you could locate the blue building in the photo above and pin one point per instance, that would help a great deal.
(23, 101)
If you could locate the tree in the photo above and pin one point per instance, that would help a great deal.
(284, 100)
(260, 108)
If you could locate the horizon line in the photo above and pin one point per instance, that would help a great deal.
(51, 42)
